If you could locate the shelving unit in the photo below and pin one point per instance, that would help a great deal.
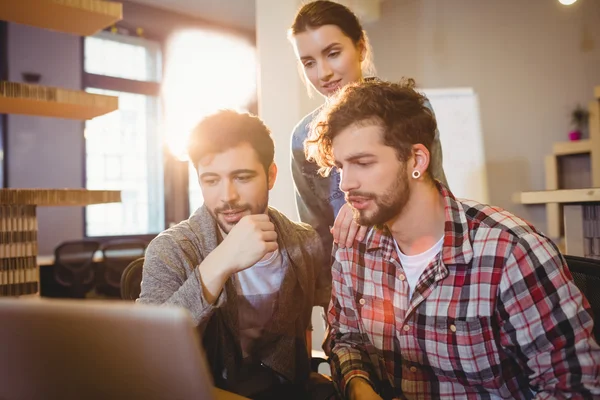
(22, 98)
(77, 17)
(19, 270)
(570, 214)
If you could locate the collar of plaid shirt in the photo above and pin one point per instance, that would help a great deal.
(457, 247)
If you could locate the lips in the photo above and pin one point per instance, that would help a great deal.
(233, 216)
(333, 85)
(359, 203)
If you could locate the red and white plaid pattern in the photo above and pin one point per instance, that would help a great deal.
(495, 315)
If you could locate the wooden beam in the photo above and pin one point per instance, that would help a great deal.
(58, 197)
(594, 125)
(78, 17)
(564, 196)
(576, 147)
(574, 240)
(46, 101)
(121, 85)
(553, 210)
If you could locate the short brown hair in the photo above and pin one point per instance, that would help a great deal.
(397, 107)
(226, 129)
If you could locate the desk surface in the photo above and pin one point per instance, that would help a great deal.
(48, 259)
(223, 395)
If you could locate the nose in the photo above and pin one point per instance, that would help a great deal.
(325, 72)
(230, 193)
(347, 182)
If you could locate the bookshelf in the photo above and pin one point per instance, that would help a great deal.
(571, 214)
(19, 269)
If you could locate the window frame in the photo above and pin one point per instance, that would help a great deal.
(148, 88)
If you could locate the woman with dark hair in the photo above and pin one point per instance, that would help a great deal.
(333, 50)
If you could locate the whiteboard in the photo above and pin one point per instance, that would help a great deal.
(459, 124)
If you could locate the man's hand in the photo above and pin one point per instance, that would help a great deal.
(248, 242)
(345, 230)
(360, 389)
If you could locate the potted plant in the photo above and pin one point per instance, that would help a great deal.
(579, 119)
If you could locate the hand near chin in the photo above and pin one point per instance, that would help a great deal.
(345, 230)
(248, 242)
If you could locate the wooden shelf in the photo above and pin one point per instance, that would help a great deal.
(46, 101)
(58, 197)
(583, 146)
(559, 196)
(78, 17)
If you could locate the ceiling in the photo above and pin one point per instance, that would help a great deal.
(235, 13)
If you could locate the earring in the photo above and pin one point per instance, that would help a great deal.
(416, 174)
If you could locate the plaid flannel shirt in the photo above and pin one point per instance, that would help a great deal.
(495, 315)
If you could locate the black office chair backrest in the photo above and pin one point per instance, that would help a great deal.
(117, 255)
(586, 274)
(131, 280)
(73, 265)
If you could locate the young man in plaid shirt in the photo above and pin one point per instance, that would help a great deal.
(444, 298)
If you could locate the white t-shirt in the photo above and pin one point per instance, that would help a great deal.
(258, 289)
(415, 265)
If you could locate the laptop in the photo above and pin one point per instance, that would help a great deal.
(85, 349)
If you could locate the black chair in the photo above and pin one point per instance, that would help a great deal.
(131, 280)
(116, 256)
(586, 274)
(73, 266)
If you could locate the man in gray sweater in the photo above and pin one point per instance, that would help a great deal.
(248, 275)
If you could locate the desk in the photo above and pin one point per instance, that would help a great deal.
(48, 259)
(223, 395)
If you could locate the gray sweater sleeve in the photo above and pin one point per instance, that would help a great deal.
(171, 277)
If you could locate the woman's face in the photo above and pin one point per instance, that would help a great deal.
(330, 59)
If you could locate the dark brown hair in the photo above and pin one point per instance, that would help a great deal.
(322, 12)
(226, 129)
(397, 107)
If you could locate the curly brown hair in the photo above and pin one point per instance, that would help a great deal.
(397, 107)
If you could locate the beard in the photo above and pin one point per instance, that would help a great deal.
(387, 205)
(218, 213)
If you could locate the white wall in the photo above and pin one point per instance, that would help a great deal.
(525, 61)
(282, 97)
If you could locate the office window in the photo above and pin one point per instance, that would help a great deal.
(207, 71)
(124, 148)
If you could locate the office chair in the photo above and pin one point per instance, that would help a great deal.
(586, 274)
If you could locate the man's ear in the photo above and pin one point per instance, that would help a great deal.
(421, 158)
(272, 175)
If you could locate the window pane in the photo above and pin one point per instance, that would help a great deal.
(195, 193)
(124, 152)
(122, 57)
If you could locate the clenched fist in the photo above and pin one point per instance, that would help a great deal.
(248, 242)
